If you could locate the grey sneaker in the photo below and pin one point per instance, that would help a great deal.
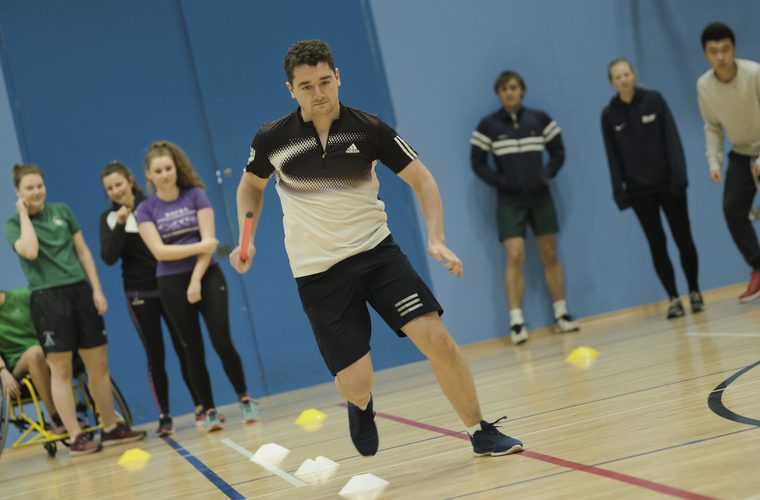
(675, 309)
(250, 410)
(697, 302)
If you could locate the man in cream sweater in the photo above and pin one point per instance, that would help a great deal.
(729, 100)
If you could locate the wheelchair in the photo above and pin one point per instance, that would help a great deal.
(24, 412)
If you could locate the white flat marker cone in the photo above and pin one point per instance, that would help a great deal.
(364, 487)
(272, 453)
(317, 471)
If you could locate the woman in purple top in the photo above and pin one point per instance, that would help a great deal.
(177, 224)
(119, 240)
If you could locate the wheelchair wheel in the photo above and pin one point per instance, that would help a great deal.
(51, 449)
(120, 404)
(5, 405)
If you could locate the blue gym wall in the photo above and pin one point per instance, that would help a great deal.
(10, 153)
(94, 81)
(441, 58)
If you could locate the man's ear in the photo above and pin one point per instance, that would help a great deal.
(290, 89)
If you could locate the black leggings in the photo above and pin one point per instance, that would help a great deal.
(146, 310)
(185, 319)
(647, 209)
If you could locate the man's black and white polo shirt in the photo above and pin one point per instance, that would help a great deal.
(329, 197)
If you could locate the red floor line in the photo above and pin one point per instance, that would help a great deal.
(617, 476)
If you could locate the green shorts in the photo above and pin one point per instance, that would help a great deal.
(513, 220)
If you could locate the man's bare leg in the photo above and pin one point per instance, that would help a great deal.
(451, 369)
(33, 362)
(514, 281)
(355, 381)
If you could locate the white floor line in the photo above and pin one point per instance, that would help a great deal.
(271, 468)
(720, 334)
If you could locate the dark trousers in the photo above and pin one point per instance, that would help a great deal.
(185, 319)
(738, 194)
(146, 311)
(647, 209)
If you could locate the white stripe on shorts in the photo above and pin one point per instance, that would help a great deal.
(408, 305)
(411, 309)
(407, 299)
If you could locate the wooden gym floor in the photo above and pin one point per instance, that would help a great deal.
(637, 423)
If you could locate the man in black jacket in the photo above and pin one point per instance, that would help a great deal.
(516, 136)
(648, 172)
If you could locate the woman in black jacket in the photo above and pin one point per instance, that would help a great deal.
(648, 171)
(119, 239)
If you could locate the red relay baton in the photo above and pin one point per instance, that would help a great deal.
(246, 238)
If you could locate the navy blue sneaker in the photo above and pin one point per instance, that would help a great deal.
(363, 428)
(489, 441)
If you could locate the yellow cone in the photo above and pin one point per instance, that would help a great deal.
(582, 357)
(311, 420)
(134, 459)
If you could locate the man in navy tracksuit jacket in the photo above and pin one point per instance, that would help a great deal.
(516, 137)
(648, 172)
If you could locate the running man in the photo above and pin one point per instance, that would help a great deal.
(341, 252)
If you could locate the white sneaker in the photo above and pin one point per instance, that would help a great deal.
(518, 334)
(566, 324)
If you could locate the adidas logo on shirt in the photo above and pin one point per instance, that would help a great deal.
(352, 148)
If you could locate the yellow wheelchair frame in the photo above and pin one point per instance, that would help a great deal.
(34, 430)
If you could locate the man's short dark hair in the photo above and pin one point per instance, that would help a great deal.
(506, 76)
(717, 31)
(311, 52)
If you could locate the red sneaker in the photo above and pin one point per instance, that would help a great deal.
(121, 434)
(83, 446)
(753, 288)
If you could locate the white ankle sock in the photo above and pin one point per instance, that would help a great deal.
(516, 318)
(560, 308)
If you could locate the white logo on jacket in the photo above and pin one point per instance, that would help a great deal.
(130, 227)
(620, 127)
(648, 118)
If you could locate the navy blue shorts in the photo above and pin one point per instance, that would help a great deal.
(336, 301)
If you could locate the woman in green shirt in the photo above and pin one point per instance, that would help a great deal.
(66, 309)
